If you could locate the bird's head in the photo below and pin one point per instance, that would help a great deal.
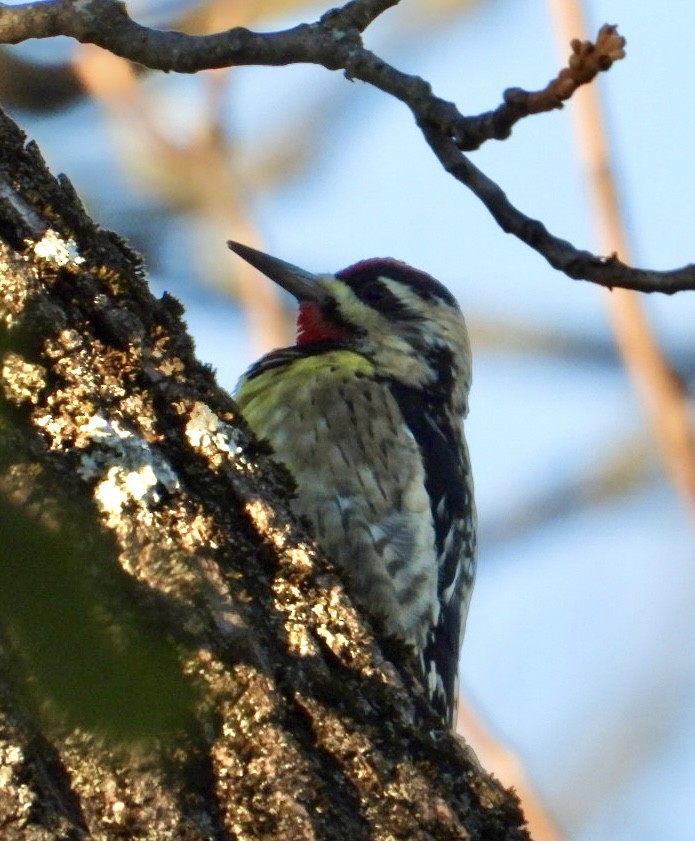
(403, 320)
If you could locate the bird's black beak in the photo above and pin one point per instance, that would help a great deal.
(298, 282)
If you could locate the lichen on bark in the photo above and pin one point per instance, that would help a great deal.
(176, 659)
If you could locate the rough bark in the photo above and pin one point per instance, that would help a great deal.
(176, 661)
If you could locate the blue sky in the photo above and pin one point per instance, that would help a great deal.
(579, 649)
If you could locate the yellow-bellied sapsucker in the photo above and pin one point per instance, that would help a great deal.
(366, 411)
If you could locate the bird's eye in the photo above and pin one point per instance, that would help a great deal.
(376, 295)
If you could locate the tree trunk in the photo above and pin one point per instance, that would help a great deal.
(176, 660)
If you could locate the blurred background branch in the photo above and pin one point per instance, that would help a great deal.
(660, 387)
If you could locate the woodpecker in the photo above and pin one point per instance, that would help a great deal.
(366, 411)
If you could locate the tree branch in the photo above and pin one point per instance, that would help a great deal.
(334, 42)
(580, 265)
(357, 14)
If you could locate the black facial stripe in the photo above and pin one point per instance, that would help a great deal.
(361, 275)
(331, 312)
(376, 294)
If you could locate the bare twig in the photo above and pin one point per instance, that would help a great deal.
(580, 265)
(358, 14)
(334, 42)
(585, 63)
(107, 24)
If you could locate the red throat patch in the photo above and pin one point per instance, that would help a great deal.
(313, 326)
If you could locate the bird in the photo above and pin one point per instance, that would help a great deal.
(366, 410)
